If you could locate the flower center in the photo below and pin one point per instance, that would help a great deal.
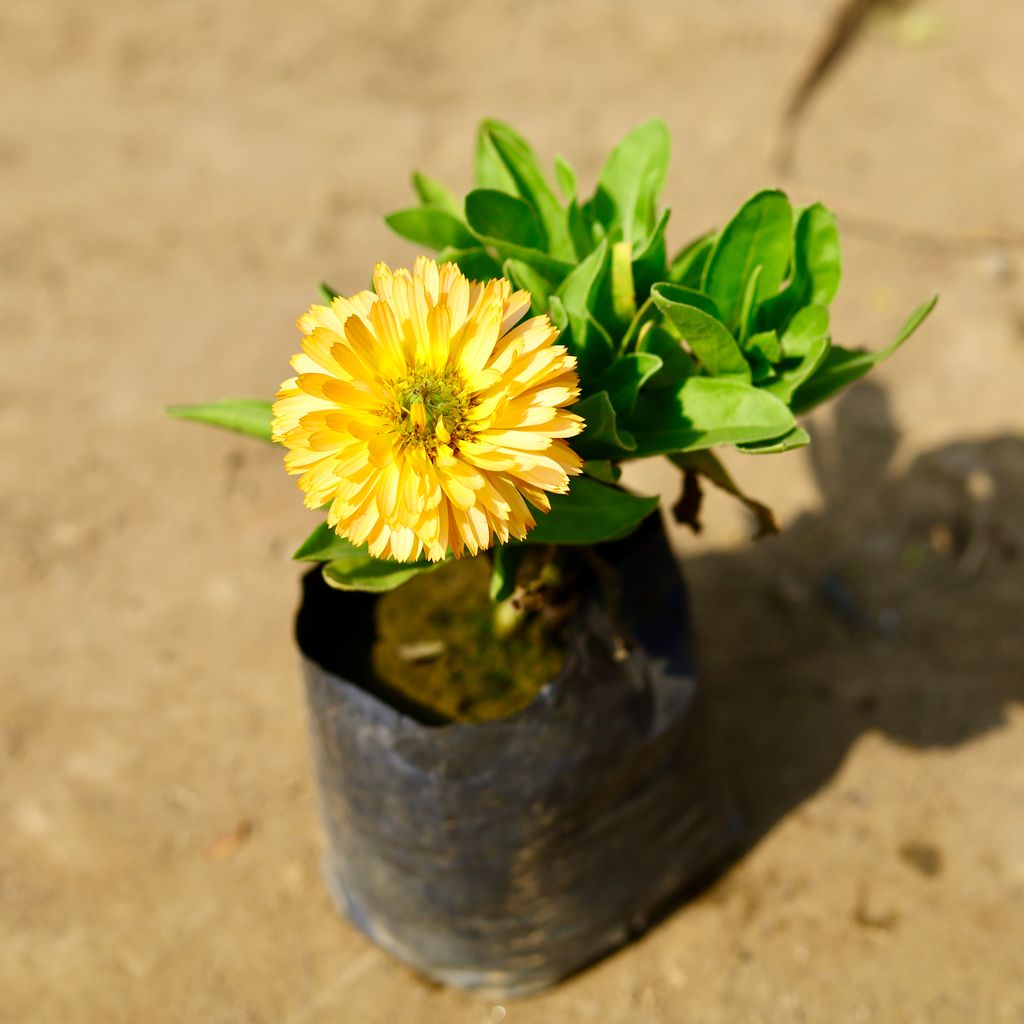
(423, 400)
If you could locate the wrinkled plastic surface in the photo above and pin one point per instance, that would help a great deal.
(509, 854)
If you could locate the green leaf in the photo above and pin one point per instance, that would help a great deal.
(795, 438)
(433, 193)
(559, 316)
(703, 412)
(687, 266)
(428, 226)
(805, 345)
(632, 178)
(596, 352)
(497, 215)
(327, 292)
(505, 562)
(817, 258)
(602, 438)
(348, 567)
(647, 313)
(749, 306)
(249, 416)
(708, 465)
(627, 376)
(766, 344)
(522, 275)
(761, 234)
(649, 264)
(676, 362)
(523, 166)
(590, 513)
(490, 169)
(842, 367)
(578, 294)
(565, 178)
(817, 268)
(708, 338)
(374, 575)
(579, 230)
(324, 545)
(476, 263)
(689, 297)
(540, 261)
(603, 469)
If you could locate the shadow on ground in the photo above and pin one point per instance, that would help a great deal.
(897, 608)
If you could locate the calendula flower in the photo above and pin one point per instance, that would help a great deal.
(423, 413)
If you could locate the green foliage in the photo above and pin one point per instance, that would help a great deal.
(505, 562)
(758, 240)
(627, 191)
(723, 344)
(590, 513)
(347, 567)
(704, 412)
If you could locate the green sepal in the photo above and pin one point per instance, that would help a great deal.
(432, 227)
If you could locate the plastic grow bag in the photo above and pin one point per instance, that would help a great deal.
(509, 854)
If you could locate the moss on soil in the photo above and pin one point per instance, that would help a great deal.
(436, 646)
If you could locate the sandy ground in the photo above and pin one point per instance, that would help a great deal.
(176, 177)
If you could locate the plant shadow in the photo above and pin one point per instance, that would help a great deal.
(897, 607)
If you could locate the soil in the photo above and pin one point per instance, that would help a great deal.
(438, 647)
(177, 178)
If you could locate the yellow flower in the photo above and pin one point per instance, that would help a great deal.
(423, 415)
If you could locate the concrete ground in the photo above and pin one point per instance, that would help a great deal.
(176, 179)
